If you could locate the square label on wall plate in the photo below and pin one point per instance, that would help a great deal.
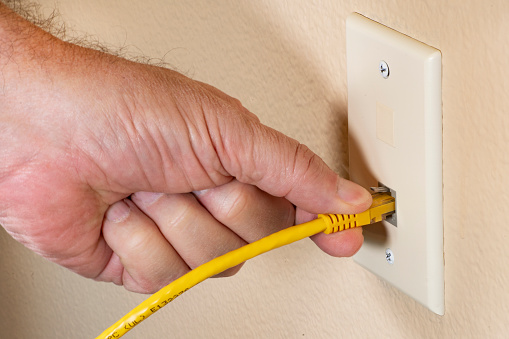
(395, 138)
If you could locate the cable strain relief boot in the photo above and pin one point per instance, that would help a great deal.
(340, 222)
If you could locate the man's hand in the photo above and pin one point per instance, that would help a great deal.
(87, 136)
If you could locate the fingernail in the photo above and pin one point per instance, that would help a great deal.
(352, 193)
(118, 212)
(147, 198)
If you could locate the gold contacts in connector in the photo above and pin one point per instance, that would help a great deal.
(383, 206)
(391, 218)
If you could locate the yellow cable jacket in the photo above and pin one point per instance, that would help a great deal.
(231, 259)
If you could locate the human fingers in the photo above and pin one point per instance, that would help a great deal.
(257, 154)
(143, 260)
(246, 210)
(253, 214)
(195, 234)
(281, 166)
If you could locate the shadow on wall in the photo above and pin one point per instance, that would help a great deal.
(8, 266)
(322, 120)
(17, 286)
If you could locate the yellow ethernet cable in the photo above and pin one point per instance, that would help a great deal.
(383, 205)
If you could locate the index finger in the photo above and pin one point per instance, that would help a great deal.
(281, 166)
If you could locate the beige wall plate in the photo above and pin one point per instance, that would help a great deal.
(395, 138)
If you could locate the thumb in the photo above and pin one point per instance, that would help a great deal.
(283, 167)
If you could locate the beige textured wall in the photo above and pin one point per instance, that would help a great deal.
(286, 62)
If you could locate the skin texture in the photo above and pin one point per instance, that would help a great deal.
(87, 136)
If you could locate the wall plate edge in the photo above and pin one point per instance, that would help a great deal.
(430, 291)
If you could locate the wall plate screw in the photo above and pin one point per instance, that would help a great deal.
(384, 69)
(389, 256)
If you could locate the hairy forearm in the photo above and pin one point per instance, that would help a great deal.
(27, 53)
(19, 38)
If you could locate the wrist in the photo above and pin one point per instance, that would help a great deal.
(27, 72)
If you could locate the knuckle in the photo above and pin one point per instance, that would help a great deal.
(306, 163)
(138, 240)
(184, 215)
(234, 205)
